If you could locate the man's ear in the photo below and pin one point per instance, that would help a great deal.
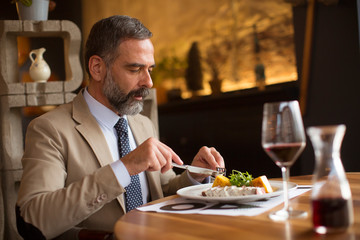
(97, 68)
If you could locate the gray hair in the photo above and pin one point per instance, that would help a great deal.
(107, 34)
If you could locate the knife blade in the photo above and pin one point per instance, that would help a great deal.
(200, 170)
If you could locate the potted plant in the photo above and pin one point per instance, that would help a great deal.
(215, 59)
(32, 9)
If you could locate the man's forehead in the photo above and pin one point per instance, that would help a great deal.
(135, 51)
(136, 43)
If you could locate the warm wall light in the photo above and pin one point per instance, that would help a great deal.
(303, 2)
(296, 2)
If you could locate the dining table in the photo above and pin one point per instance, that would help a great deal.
(145, 225)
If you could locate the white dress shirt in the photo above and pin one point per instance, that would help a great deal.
(107, 119)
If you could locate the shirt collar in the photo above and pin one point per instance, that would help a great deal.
(102, 114)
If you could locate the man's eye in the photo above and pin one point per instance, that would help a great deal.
(135, 70)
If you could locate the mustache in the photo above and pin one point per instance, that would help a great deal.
(143, 92)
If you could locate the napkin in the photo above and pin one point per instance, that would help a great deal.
(187, 206)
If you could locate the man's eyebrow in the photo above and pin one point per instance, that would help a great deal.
(137, 65)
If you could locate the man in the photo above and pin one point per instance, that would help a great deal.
(75, 173)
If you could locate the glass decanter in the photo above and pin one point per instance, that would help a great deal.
(332, 209)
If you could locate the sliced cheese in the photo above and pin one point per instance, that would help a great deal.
(262, 181)
(221, 181)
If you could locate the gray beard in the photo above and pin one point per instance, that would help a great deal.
(123, 103)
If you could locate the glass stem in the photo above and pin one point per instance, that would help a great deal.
(285, 176)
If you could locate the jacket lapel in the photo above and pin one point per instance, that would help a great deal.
(142, 133)
(90, 130)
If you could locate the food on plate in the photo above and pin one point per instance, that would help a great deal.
(221, 181)
(238, 184)
(262, 181)
(239, 179)
(233, 191)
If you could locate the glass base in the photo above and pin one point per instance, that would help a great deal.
(283, 215)
(325, 230)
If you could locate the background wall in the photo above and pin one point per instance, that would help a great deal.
(233, 124)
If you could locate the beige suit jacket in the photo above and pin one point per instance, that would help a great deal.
(67, 181)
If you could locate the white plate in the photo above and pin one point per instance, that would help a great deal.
(194, 192)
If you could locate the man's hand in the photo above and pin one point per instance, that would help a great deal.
(151, 155)
(207, 158)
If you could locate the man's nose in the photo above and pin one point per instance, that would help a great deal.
(146, 80)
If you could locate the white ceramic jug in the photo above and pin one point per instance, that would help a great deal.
(39, 69)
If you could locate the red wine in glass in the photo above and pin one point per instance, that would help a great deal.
(284, 154)
(283, 139)
(331, 214)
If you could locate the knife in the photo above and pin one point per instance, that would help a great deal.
(194, 169)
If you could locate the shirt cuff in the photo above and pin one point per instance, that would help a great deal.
(121, 173)
(194, 182)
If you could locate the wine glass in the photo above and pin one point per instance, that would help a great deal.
(283, 139)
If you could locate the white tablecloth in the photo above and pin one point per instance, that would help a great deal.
(187, 206)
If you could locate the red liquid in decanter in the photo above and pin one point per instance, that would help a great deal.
(332, 214)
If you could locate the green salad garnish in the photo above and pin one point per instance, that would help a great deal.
(239, 179)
